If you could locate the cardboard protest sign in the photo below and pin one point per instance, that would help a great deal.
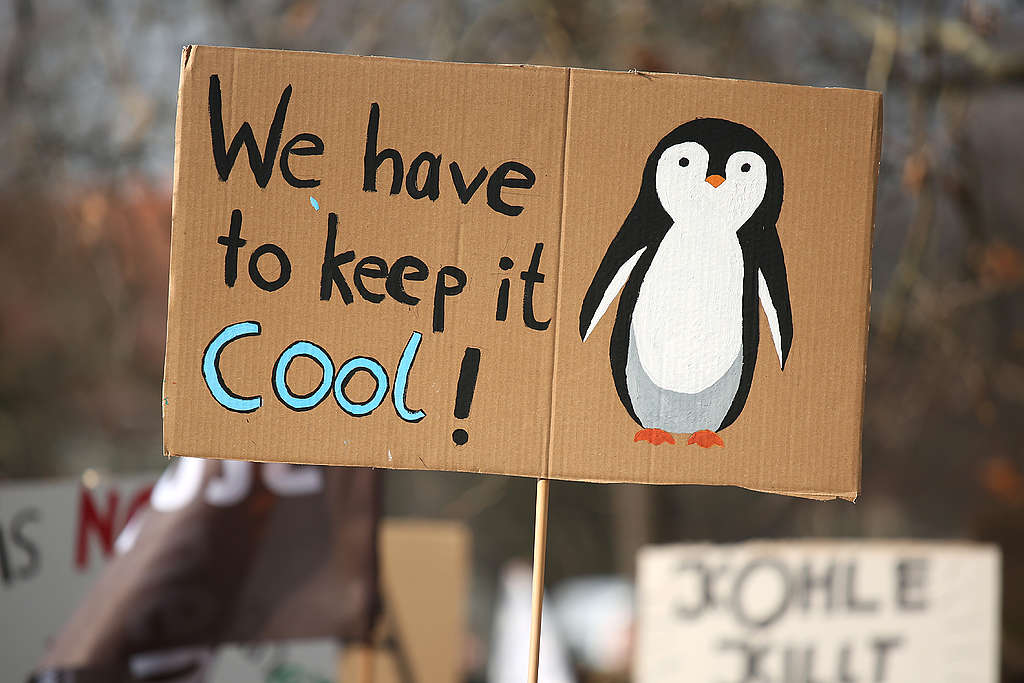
(425, 577)
(796, 612)
(407, 264)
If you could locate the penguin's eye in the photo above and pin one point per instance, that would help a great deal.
(684, 162)
(745, 167)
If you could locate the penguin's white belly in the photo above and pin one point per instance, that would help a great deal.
(688, 319)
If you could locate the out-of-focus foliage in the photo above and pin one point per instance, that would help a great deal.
(83, 292)
(86, 129)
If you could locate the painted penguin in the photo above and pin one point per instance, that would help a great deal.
(695, 254)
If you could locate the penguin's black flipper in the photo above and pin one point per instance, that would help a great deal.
(773, 290)
(611, 275)
(645, 226)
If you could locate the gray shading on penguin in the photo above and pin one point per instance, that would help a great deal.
(693, 258)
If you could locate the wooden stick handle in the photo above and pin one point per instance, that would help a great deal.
(540, 544)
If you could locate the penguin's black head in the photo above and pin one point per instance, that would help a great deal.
(713, 170)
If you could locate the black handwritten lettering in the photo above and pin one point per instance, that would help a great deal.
(705, 577)
(261, 163)
(330, 270)
(405, 268)
(532, 276)
(445, 289)
(432, 184)
(807, 583)
(501, 309)
(854, 603)
(752, 656)
(845, 674)
(372, 159)
(6, 575)
(911, 575)
(315, 148)
(882, 648)
(739, 609)
(284, 265)
(420, 185)
(464, 191)
(23, 541)
(373, 267)
(500, 179)
(233, 242)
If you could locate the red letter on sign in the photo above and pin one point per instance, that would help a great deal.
(89, 518)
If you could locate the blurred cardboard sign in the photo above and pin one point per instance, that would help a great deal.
(394, 263)
(818, 611)
(425, 577)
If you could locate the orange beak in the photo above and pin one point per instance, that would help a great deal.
(715, 180)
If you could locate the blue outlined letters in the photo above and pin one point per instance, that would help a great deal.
(330, 382)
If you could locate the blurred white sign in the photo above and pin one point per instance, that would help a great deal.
(818, 612)
(56, 536)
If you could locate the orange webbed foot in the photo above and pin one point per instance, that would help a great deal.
(654, 436)
(705, 438)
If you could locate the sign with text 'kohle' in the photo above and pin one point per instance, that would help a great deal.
(818, 612)
(520, 270)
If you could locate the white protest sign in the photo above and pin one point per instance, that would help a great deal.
(818, 612)
(55, 538)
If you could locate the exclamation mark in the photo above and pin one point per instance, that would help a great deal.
(464, 393)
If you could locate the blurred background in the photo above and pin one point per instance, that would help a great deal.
(87, 136)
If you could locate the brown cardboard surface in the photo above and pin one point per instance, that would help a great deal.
(425, 574)
(545, 403)
(800, 429)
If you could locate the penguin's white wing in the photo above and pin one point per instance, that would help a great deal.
(617, 283)
(770, 313)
